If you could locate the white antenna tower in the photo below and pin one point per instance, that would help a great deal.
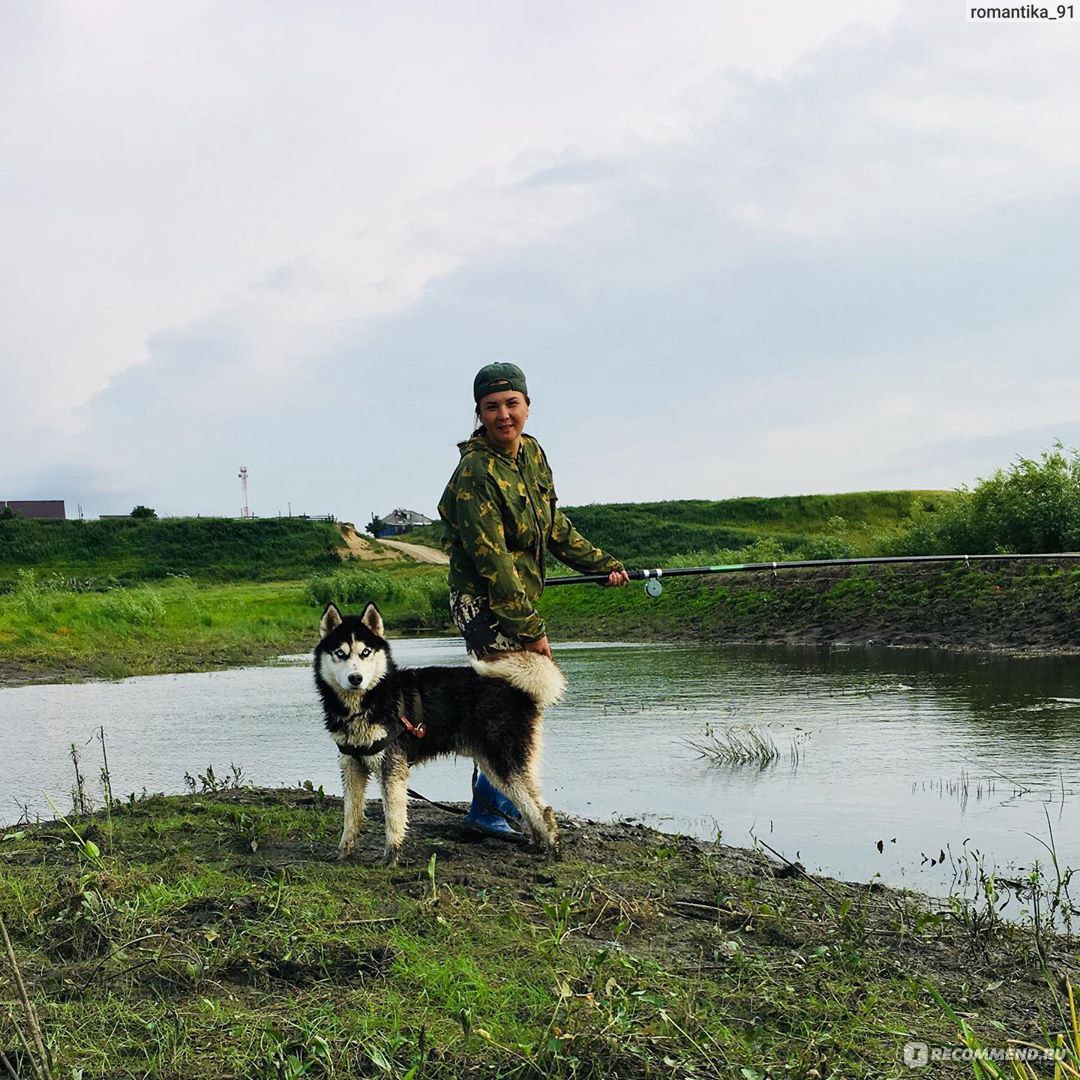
(245, 512)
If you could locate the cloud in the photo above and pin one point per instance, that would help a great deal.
(160, 159)
(794, 273)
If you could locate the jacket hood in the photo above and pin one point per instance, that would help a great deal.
(478, 444)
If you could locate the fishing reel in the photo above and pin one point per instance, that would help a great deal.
(653, 588)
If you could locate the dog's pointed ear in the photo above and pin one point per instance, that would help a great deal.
(331, 620)
(373, 620)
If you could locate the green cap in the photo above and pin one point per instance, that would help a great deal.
(492, 378)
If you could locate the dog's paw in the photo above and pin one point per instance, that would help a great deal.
(391, 856)
(346, 848)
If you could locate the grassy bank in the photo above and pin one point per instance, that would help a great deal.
(216, 935)
(51, 632)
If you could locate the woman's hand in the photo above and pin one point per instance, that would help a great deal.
(617, 577)
(540, 645)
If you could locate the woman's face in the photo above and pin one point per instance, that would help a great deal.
(503, 416)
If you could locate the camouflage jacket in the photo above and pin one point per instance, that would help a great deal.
(501, 515)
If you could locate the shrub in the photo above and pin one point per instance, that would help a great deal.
(767, 550)
(1033, 506)
(833, 544)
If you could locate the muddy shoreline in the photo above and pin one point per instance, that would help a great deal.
(1002, 609)
(219, 915)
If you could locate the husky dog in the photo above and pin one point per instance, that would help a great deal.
(385, 719)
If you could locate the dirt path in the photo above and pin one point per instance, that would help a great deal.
(361, 547)
(419, 552)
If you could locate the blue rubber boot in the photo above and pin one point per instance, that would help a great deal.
(492, 813)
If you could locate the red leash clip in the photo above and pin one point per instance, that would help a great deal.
(419, 730)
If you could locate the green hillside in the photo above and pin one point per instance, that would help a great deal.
(649, 532)
(223, 549)
(140, 549)
(643, 533)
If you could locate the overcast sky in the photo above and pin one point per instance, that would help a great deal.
(739, 248)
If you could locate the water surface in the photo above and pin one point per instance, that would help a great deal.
(921, 751)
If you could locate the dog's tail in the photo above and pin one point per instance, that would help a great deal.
(542, 679)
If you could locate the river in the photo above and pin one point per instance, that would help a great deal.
(916, 752)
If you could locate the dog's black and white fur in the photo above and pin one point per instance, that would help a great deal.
(491, 712)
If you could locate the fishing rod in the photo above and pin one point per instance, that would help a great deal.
(654, 588)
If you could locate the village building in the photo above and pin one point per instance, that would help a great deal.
(401, 521)
(40, 509)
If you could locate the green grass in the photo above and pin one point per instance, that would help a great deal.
(182, 950)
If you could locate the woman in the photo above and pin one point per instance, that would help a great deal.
(501, 516)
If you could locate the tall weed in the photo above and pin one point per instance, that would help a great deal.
(143, 606)
(416, 600)
(185, 592)
(345, 587)
(33, 595)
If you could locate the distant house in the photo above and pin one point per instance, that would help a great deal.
(401, 521)
(42, 509)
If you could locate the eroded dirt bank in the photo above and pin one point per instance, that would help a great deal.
(1003, 607)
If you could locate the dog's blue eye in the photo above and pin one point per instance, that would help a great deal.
(340, 654)
(365, 654)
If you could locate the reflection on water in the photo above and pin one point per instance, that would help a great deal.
(917, 750)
